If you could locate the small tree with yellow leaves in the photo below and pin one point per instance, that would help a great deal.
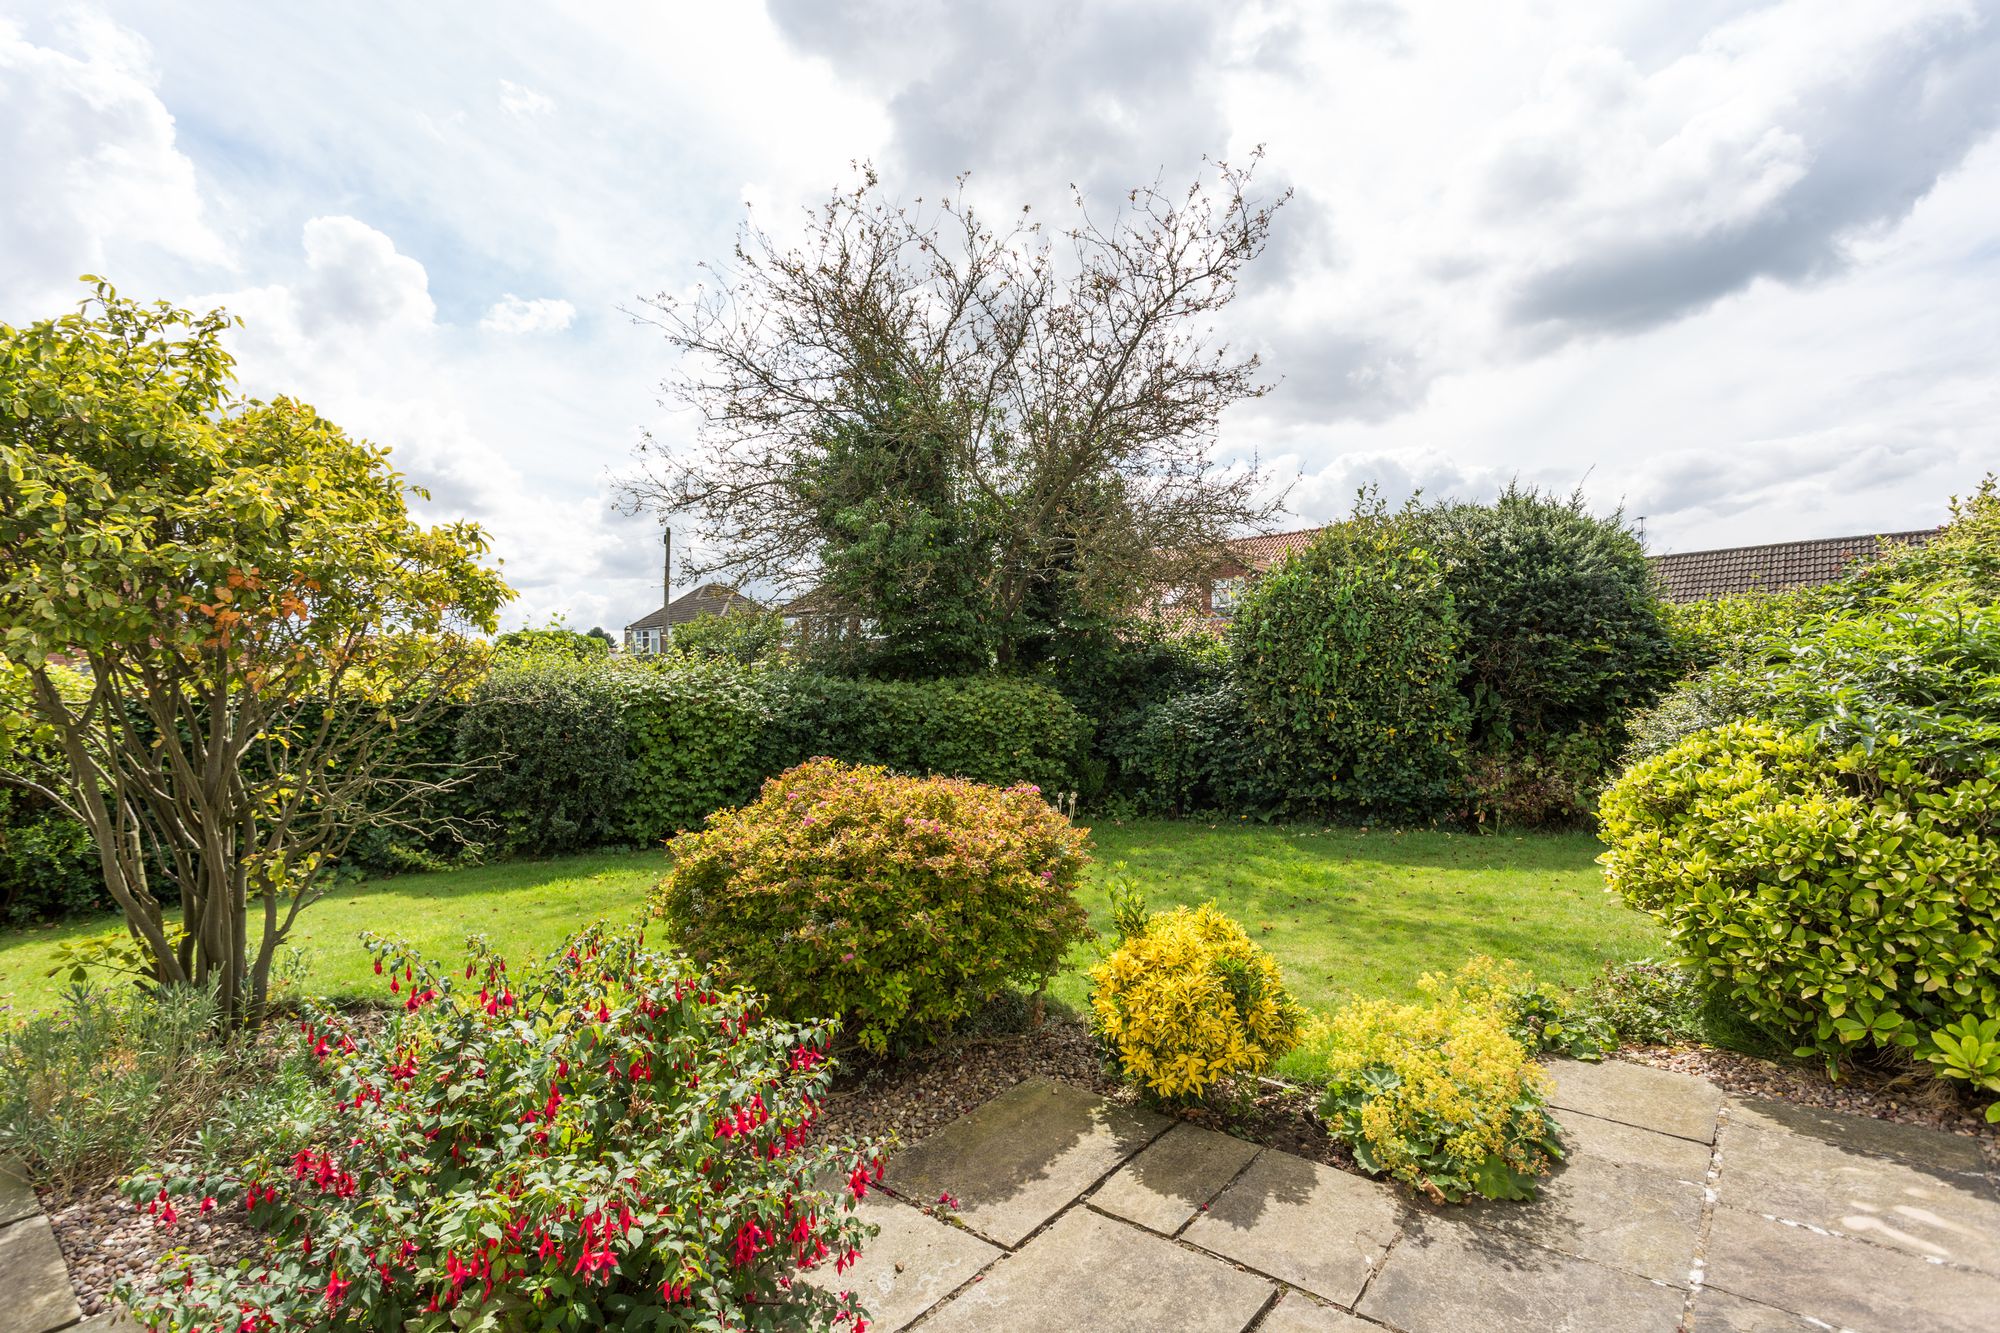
(252, 611)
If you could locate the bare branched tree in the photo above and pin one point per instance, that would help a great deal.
(1076, 376)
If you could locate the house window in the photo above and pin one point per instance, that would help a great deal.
(1226, 595)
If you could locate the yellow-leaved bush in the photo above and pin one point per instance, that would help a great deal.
(1438, 1096)
(1188, 999)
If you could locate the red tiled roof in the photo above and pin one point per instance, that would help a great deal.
(1260, 553)
(1694, 576)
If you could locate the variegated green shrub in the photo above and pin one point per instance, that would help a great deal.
(1850, 897)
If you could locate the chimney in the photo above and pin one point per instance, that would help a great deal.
(667, 571)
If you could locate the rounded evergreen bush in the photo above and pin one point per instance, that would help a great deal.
(1349, 666)
(1850, 896)
(900, 904)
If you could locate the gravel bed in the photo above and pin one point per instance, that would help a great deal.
(104, 1238)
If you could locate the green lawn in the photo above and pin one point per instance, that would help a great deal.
(1343, 910)
(1347, 911)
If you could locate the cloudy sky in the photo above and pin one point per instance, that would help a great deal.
(1732, 266)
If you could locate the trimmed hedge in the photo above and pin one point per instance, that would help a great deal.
(1350, 657)
(992, 729)
(594, 752)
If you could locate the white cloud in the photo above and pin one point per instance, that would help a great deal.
(356, 277)
(1729, 264)
(524, 102)
(514, 315)
(92, 167)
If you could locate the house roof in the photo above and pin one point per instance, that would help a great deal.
(1261, 552)
(710, 599)
(1693, 576)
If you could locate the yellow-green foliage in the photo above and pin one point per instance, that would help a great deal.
(1539, 1015)
(1188, 1000)
(1847, 897)
(1438, 1096)
(898, 904)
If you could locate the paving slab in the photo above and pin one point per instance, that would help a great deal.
(1448, 1279)
(1317, 1228)
(1163, 1187)
(1586, 1138)
(1933, 1214)
(35, 1294)
(1914, 1144)
(17, 1196)
(1845, 1282)
(1088, 1271)
(1018, 1160)
(1630, 1218)
(1296, 1313)
(1655, 1099)
(915, 1262)
(1719, 1312)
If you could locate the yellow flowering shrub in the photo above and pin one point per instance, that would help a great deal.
(1188, 999)
(1438, 1096)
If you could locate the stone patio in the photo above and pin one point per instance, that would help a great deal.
(1679, 1209)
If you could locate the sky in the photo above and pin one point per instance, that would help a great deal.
(1730, 267)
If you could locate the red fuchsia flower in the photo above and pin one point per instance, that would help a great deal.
(378, 967)
(335, 1289)
(750, 1239)
(208, 1203)
(857, 1182)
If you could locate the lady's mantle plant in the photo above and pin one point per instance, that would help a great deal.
(606, 1142)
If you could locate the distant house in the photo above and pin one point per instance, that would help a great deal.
(1212, 604)
(1697, 576)
(652, 632)
(1683, 576)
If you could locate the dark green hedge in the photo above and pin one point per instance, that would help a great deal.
(584, 753)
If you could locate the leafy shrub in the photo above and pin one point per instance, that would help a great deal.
(697, 737)
(897, 903)
(1848, 897)
(1538, 1014)
(1706, 699)
(553, 640)
(1116, 674)
(616, 1143)
(993, 729)
(1926, 674)
(94, 1087)
(1350, 660)
(1962, 562)
(1187, 1000)
(546, 729)
(1648, 1002)
(1562, 630)
(1540, 780)
(48, 863)
(1196, 751)
(1438, 1096)
(1737, 630)
(744, 637)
